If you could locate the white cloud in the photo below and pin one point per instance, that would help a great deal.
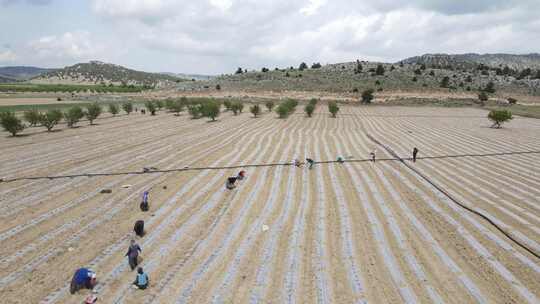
(71, 45)
(312, 7)
(220, 35)
(7, 56)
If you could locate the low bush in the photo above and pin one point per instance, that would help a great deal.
(269, 105)
(11, 123)
(32, 117)
(309, 109)
(127, 107)
(333, 108)
(498, 117)
(92, 112)
(255, 110)
(210, 109)
(73, 116)
(194, 111)
(113, 109)
(50, 119)
(151, 107)
(367, 96)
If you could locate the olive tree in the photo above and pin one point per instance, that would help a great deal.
(73, 115)
(269, 105)
(113, 109)
(50, 119)
(127, 107)
(11, 123)
(92, 112)
(255, 110)
(194, 111)
(367, 96)
(151, 107)
(210, 109)
(176, 107)
(333, 108)
(498, 117)
(32, 117)
(309, 109)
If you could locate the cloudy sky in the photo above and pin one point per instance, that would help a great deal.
(216, 36)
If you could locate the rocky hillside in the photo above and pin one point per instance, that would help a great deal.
(96, 72)
(17, 73)
(354, 77)
(516, 62)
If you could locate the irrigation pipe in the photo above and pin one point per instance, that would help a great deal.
(240, 166)
(453, 199)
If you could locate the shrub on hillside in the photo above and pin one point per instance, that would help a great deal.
(498, 117)
(316, 65)
(309, 109)
(269, 105)
(127, 107)
(380, 70)
(490, 87)
(73, 116)
(50, 119)
(367, 96)
(11, 123)
(333, 108)
(512, 101)
(302, 66)
(445, 82)
(113, 109)
(255, 110)
(483, 97)
(32, 117)
(92, 112)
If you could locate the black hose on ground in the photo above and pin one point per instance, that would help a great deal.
(396, 158)
(453, 199)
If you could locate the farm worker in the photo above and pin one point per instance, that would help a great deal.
(144, 203)
(372, 156)
(241, 175)
(83, 278)
(133, 254)
(141, 281)
(310, 162)
(340, 160)
(230, 182)
(414, 153)
(297, 162)
(139, 228)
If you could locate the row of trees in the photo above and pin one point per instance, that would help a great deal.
(49, 119)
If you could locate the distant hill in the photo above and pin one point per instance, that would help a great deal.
(21, 72)
(517, 62)
(444, 73)
(6, 79)
(190, 76)
(96, 72)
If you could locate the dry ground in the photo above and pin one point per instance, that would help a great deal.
(339, 233)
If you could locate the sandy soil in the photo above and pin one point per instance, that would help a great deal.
(339, 233)
(32, 101)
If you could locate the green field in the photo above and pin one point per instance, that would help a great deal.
(68, 88)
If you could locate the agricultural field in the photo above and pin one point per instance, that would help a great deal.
(459, 225)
